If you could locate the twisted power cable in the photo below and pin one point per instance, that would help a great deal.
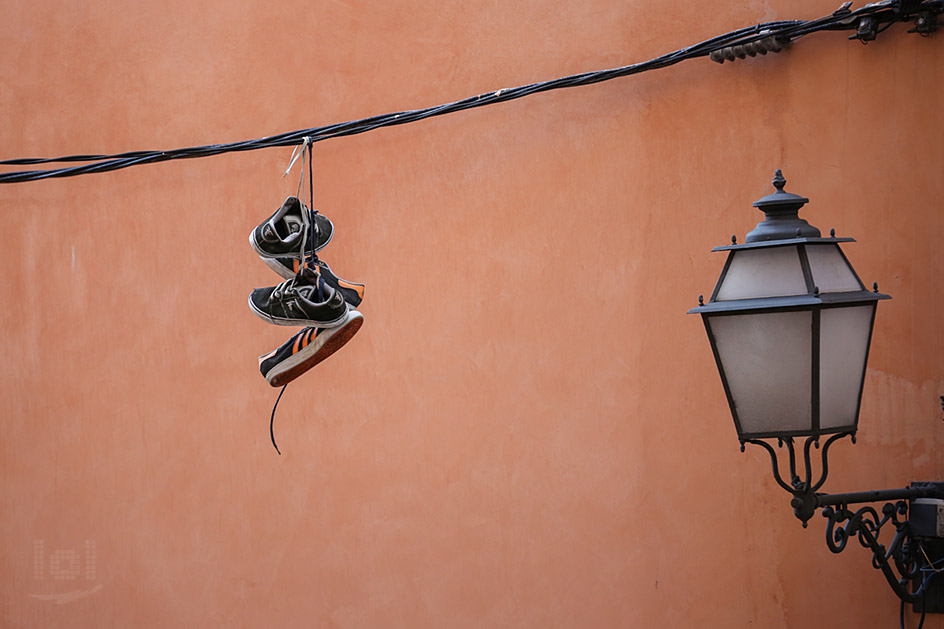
(769, 36)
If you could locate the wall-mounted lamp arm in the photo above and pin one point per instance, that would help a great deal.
(901, 561)
(797, 486)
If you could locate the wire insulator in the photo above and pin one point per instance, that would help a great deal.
(740, 51)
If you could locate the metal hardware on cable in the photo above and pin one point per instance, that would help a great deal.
(751, 49)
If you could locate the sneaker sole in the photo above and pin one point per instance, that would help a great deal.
(307, 358)
(292, 254)
(296, 322)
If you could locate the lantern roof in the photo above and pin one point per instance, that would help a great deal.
(781, 221)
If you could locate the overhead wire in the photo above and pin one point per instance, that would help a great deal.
(784, 31)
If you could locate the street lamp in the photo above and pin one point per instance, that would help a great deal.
(790, 324)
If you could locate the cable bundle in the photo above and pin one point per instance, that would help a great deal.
(752, 40)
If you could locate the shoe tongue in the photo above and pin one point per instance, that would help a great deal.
(290, 219)
(311, 285)
(290, 206)
(318, 294)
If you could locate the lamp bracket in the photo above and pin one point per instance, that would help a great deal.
(801, 488)
(907, 558)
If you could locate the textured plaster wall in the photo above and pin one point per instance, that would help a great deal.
(528, 431)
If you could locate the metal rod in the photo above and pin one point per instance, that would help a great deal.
(882, 495)
(793, 463)
(825, 464)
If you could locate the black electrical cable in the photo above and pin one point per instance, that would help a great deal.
(901, 607)
(784, 31)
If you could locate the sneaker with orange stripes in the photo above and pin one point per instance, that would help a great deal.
(306, 349)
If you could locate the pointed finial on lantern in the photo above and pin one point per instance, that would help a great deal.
(781, 221)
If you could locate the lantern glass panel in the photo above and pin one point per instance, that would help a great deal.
(767, 272)
(843, 345)
(831, 273)
(766, 361)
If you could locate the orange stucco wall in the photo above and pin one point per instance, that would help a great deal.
(528, 431)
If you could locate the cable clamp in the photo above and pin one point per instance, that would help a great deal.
(925, 23)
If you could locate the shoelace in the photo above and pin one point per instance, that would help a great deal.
(308, 223)
(272, 420)
(311, 237)
(321, 297)
(288, 286)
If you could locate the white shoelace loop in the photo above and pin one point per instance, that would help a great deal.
(298, 152)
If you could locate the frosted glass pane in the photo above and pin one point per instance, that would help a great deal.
(830, 272)
(767, 272)
(766, 359)
(844, 336)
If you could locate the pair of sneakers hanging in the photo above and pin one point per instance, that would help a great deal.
(311, 295)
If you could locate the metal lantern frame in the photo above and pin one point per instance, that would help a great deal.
(815, 303)
(915, 554)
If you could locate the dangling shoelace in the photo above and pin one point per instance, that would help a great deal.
(308, 224)
(272, 420)
(309, 213)
(321, 297)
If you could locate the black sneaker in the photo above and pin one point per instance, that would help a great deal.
(306, 349)
(306, 299)
(352, 292)
(283, 233)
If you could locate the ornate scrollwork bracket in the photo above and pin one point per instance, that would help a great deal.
(900, 561)
(803, 489)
